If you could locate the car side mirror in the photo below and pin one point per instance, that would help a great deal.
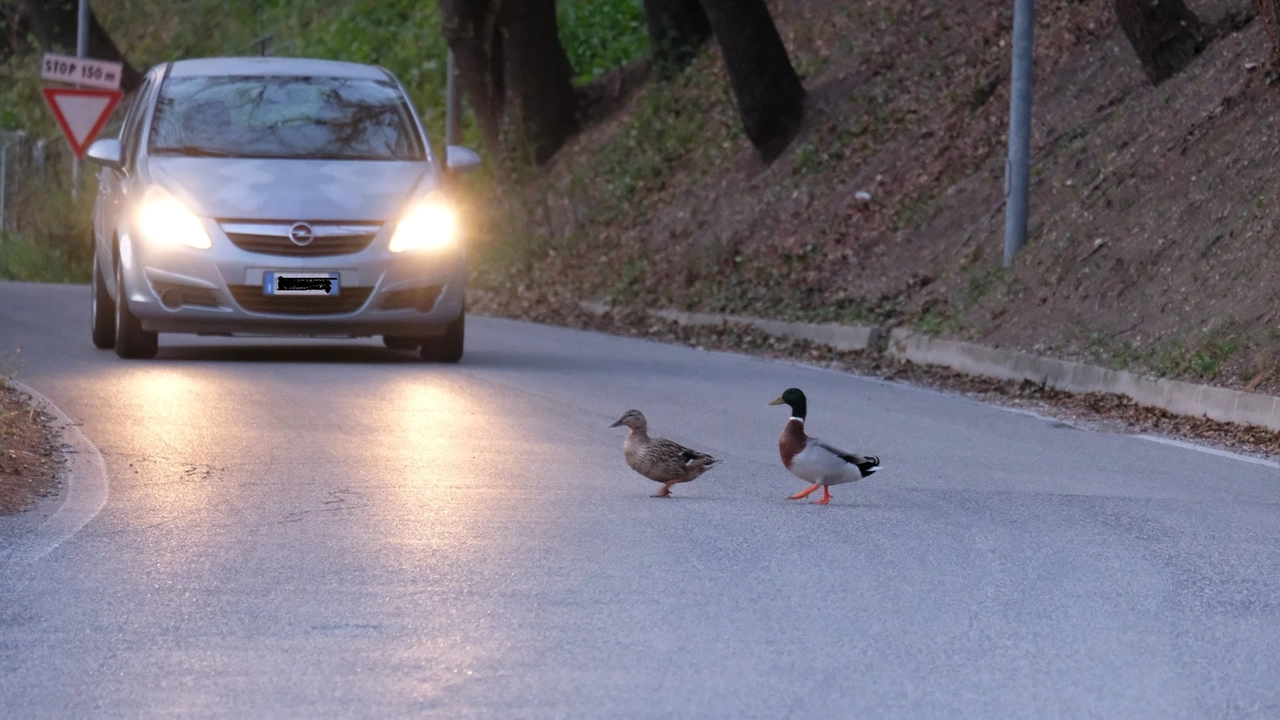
(459, 159)
(106, 152)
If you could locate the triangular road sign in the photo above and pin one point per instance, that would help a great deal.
(81, 113)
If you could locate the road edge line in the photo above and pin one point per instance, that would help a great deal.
(85, 478)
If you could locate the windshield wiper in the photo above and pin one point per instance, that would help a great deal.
(338, 156)
(192, 151)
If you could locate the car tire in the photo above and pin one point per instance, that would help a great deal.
(102, 309)
(447, 348)
(401, 342)
(132, 342)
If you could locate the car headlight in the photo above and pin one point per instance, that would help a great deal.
(164, 220)
(431, 225)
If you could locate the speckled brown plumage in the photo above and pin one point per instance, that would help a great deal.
(659, 459)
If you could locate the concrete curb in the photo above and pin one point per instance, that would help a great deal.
(1175, 396)
(1181, 398)
(840, 337)
(86, 491)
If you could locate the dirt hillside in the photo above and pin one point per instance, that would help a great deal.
(1152, 237)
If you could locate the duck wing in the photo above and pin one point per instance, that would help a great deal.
(672, 461)
(865, 464)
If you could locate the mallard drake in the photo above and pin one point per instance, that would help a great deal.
(660, 460)
(812, 460)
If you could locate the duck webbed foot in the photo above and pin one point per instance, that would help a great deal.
(804, 493)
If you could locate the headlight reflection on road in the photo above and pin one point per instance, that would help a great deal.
(173, 439)
(430, 433)
(434, 455)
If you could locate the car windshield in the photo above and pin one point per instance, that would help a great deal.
(284, 117)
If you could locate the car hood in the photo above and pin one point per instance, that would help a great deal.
(310, 190)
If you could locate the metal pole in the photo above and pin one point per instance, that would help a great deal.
(4, 174)
(82, 51)
(82, 30)
(451, 118)
(1018, 167)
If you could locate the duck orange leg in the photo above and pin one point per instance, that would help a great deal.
(665, 491)
(826, 496)
(804, 493)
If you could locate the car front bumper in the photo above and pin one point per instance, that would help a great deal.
(219, 291)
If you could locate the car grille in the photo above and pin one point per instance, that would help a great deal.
(421, 299)
(325, 239)
(252, 299)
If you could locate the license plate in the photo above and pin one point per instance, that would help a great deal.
(281, 283)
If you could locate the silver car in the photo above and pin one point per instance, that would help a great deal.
(276, 197)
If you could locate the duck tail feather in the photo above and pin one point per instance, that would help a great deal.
(869, 466)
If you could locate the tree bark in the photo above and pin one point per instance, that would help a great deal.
(471, 30)
(513, 69)
(53, 24)
(539, 79)
(768, 91)
(677, 28)
(10, 31)
(1269, 13)
(1164, 34)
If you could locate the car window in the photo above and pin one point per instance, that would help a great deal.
(284, 117)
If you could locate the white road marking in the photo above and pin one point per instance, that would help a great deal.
(85, 476)
(1210, 450)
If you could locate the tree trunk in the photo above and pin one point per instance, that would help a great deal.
(513, 68)
(1269, 13)
(1164, 34)
(10, 31)
(53, 24)
(471, 30)
(769, 94)
(539, 79)
(677, 28)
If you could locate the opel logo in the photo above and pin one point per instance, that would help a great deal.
(301, 234)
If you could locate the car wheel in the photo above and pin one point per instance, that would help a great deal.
(448, 348)
(401, 342)
(132, 342)
(102, 317)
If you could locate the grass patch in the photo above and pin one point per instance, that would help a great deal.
(1172, 357)
(29, 261)
(49, 237)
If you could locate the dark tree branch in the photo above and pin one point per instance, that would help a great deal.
(768, 91)
(539, 77)
(471, 30)
(513, 68)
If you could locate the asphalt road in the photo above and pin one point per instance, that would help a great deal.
(336, 530)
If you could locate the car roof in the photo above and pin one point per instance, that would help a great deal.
(258, 66)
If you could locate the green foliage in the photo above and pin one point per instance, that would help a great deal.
(602, 35)
(670, 128)
(29, 261)
(51, 242)
(1171, 357)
